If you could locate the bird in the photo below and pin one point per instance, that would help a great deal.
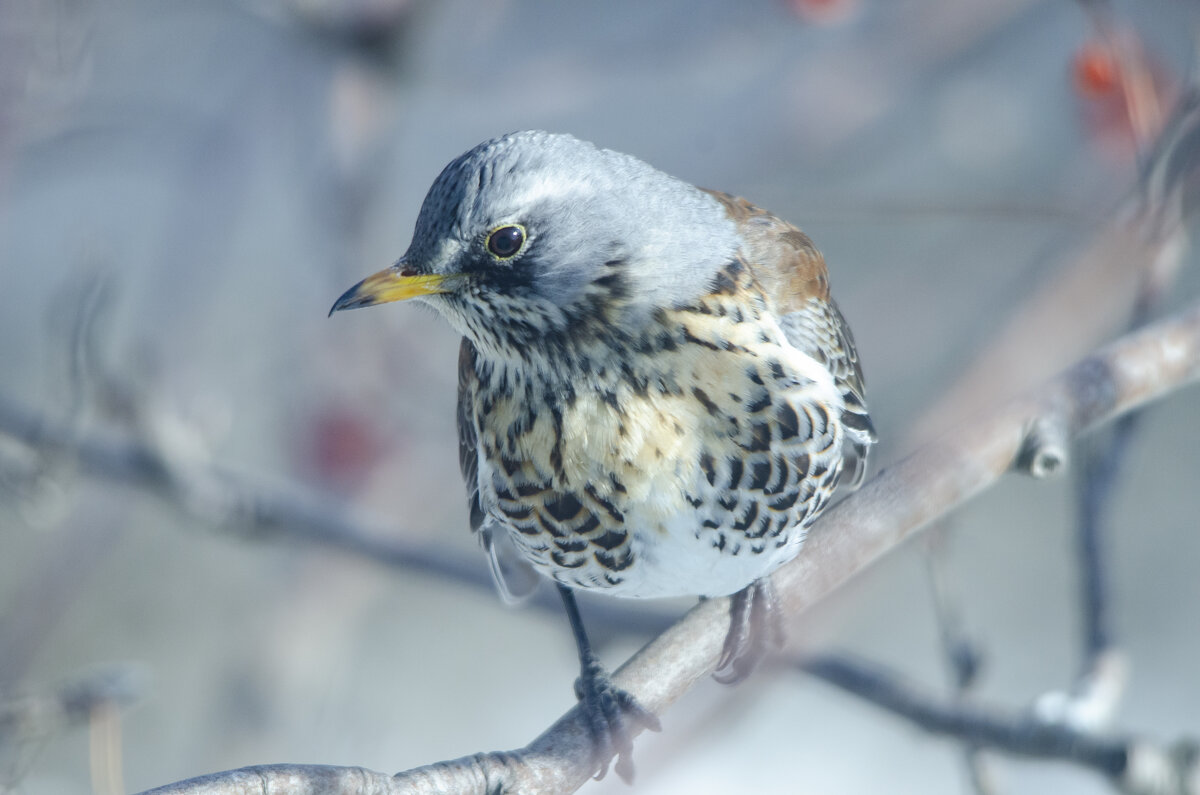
(657, 394)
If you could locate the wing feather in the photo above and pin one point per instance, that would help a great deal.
(515, 578)
(793, 277)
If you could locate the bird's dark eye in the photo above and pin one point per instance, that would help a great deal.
(505, 242)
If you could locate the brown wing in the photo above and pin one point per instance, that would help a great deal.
(793, 277)
(784, 260)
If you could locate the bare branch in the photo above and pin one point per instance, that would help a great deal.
(1133, 765)
(290, 779)
(1044, 452)
(70, 704)
(1153, 216)
(897, 502)
(1022, 734)
(258, 510)
(962, 657)
(1136, 253)
(94, 699)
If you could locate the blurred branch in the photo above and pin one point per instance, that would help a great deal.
(1023, 735)
(1097, 284)
(47, 587)
(1167, 180)
(244, 505)
(219, 495)
(224, 497)
(70, 704)
(961, 655)
(898, 501)
(1095, 695)
(95, 699)
(1133, 765)
(1106, 282)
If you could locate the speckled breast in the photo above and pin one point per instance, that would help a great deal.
(688, 463)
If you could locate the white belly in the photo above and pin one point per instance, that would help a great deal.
(679, 563)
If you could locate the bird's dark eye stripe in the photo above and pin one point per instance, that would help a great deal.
(506, 241)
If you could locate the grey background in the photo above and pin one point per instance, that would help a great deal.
(227, 169)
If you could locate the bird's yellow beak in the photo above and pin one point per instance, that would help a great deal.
(396, 283)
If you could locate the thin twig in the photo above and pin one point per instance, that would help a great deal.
(982, 727)
(70, 703)
(1152, 217)
(257, 510)
(224, 497)
(1096, 693)
(961, 655)
(1134, 765)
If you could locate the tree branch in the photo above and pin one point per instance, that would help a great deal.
(1133, 765)
(1153, 240)
(71, 703)
(853, 534)
(1023, 735)
(258, 510)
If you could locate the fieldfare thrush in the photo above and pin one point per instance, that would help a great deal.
(656, 393)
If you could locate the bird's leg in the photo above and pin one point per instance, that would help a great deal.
(611, 712)
(754, 630)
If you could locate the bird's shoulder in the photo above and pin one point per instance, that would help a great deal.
(786, 264)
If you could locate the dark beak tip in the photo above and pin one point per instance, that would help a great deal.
(348, 300)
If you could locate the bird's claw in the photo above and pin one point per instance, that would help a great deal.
(612, 715)
(754, 630)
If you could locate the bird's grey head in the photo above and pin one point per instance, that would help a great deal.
(533, 232)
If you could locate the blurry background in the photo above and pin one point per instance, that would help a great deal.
(185, 188)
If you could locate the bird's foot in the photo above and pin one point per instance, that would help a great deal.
(754, 630)
(612, 715)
